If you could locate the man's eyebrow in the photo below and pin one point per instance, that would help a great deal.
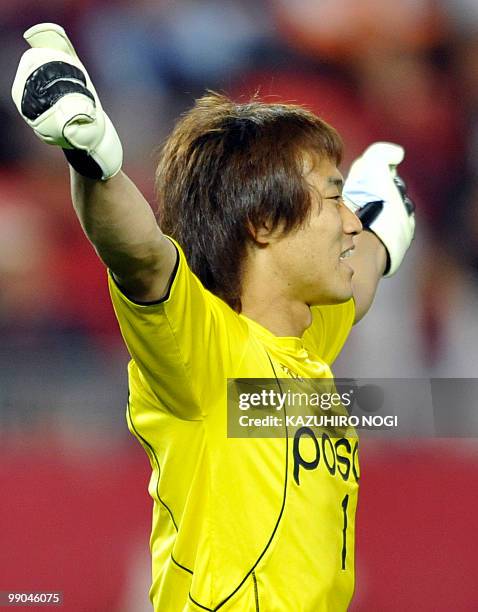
(336, 182)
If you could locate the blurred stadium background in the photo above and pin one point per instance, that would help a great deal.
(74, 511)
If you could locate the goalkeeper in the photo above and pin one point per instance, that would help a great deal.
(261, 271)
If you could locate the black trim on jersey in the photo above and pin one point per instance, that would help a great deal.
(196, 603)
(170, 284)
(256, 591)
(251, 571)
(151, 450)
(181, 566)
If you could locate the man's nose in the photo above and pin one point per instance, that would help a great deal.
(351, 223)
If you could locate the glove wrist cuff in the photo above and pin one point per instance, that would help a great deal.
(102, 162)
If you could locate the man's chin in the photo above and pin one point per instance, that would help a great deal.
(333, 299)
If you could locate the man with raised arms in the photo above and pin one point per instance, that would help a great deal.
(259, 270)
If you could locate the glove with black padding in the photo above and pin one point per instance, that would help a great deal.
(56, 97)
(378, 196)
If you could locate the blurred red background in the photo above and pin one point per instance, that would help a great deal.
(74, 510)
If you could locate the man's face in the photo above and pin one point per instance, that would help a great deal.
(312, 258)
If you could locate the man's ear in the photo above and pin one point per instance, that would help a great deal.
(260, 234)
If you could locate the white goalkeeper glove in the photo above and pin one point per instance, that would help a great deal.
(378, 196)
(56, 97)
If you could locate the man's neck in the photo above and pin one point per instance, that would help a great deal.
(282, 317)
(268, 296)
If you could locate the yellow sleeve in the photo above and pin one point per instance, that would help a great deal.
(183, 345)
(330, 328)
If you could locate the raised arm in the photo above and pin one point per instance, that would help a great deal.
(55, 96)
(121, 226)
(368, 262)
(375, 192)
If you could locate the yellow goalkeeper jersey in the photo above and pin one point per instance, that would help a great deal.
(238, 523)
